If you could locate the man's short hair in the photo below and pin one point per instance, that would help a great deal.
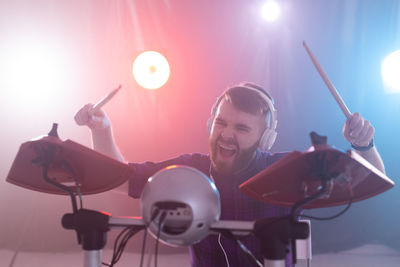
(245, 97)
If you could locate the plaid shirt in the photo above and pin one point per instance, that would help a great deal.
(234, 206)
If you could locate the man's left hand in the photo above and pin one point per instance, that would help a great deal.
(358, 131)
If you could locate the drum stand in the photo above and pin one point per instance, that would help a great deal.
(91, 226)
(274, 233)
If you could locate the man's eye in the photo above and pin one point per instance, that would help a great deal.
(243, 129)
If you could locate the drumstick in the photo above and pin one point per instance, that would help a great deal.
(328, 83)
(103, 101)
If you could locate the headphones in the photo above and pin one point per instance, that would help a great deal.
(268, 137)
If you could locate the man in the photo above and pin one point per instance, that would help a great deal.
(242, 123)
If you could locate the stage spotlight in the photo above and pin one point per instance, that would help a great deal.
(390, 72)
(270, 11)
(151, 70)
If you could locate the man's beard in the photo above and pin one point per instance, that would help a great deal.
(242, 158)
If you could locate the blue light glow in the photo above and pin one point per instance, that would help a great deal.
(270, 11)
(390, 72)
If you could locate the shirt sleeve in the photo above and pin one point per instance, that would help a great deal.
(142, 171)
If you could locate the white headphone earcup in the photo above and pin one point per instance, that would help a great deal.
(267, 139)
(272, 139)
(209, 124)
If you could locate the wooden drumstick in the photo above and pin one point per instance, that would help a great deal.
(328, 83)
(104, 100)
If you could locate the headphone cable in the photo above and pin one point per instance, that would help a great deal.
(223, 250)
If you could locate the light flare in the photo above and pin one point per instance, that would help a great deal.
(390, 72)
(29, 72)
(151, 70)
(270, 11)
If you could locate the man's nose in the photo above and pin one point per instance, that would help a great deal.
(227, 133)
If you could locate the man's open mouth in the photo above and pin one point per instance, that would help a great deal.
(226, 151)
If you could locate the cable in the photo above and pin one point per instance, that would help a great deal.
(78, 190)
(126, 234)
(154, 214)
(223, 250)
(248, 253)
(330, 217)
(228, 234)
(65, 164)
(160, 224)
(124, 241)
(116, 248)
(350, 189)
(143, 247)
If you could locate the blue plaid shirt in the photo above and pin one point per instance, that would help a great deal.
(234, 206)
